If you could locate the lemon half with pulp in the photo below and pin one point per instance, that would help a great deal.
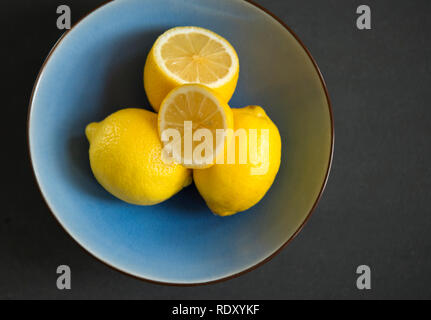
(190, 55)
(194, 125)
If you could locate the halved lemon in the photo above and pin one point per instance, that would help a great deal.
(194, 125)
(190, 55)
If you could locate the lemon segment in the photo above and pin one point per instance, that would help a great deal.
(187, 109)
(190, 55)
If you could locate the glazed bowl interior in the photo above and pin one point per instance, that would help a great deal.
(96, 69)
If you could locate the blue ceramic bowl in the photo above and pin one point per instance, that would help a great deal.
(96, 69)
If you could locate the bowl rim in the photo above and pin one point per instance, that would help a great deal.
(237, 274)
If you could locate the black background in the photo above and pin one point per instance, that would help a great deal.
(375, 209)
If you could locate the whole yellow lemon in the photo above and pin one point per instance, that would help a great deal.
(126, 158)
(244, 178)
